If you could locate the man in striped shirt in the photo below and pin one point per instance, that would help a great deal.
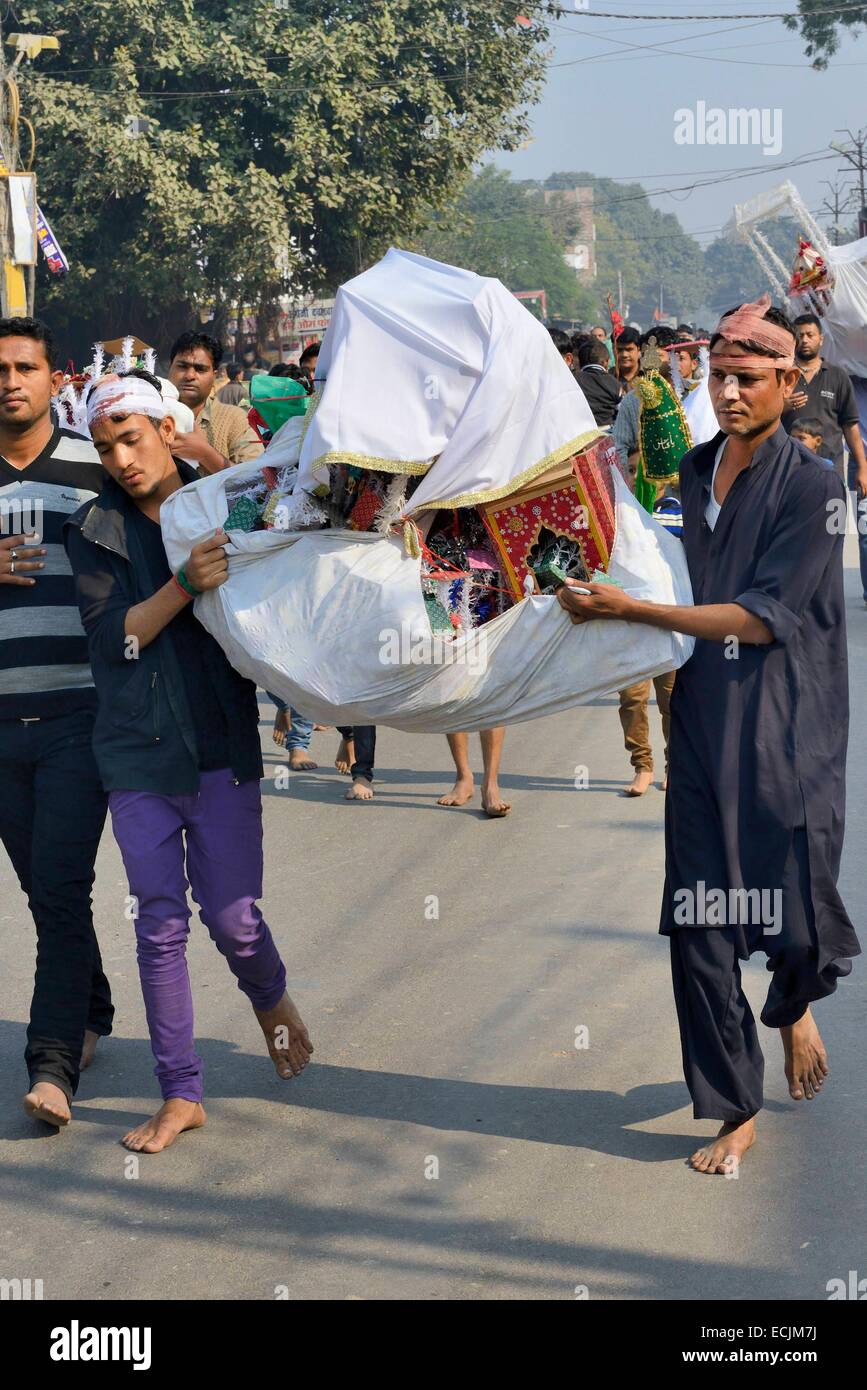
(52, 805)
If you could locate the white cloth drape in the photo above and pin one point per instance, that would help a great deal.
(422, 362)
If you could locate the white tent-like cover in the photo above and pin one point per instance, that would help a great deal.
(435, 371)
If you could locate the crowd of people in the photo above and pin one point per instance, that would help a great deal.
(822, 412)
(113, 698)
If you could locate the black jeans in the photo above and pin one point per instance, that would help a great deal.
(52, 810)
(364, 737)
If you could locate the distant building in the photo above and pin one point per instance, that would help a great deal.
(580, 251)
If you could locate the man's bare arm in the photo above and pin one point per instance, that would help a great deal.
(715, 622)
(852, 436)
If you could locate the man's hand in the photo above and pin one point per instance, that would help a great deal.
(195, 448)
(601, 601)
(17, 559)
(207, 566)
(797, 401)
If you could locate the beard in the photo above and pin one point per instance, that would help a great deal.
(807, 354)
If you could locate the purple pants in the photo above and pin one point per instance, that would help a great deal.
(223, 825)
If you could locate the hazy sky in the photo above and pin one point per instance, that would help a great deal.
(609, 105)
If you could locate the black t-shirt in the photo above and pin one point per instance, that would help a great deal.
(830, 398)
(193, 648)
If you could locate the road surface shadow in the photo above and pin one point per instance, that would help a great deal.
(582, 1119)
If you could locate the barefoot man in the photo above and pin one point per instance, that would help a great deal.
(493, 804)
(759, 714)
(177, 745)
(52, 805)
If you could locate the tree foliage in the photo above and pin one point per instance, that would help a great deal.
(288, 143)
(498, 228)
(819, 22)
(648, 247)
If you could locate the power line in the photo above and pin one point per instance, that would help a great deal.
(702, 18)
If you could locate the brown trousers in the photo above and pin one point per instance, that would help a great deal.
(633, 718)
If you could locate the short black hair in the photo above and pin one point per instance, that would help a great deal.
(234, 369)
(664, 336)
(30, 328)
(279, 369)
(630, 337)
(311, 350)
(776, 316)
(579, 339)
(561, 341)
(806, 424)
(187, 342)
(595, 351)
(809, 318)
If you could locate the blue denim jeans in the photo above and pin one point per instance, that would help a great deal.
(302, 729)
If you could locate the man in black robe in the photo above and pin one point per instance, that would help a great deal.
(755, 807)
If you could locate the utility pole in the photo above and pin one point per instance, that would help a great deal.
(856, 156)
(17, 186)
(838, 202)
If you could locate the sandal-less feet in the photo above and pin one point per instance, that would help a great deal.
(640, 782)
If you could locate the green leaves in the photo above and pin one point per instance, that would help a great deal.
(287, 148)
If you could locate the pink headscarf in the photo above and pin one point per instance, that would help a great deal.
(748, 324)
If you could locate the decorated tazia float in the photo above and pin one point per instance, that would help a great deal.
(395, 553)
(825, 280)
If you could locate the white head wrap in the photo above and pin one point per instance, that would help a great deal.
(129, 395)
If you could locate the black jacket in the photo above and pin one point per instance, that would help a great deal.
(602, 392)
(145, 737)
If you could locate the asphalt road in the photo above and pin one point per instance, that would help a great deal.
(449, 1140)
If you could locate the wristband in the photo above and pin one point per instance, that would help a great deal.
(180, 588)
(184, 584)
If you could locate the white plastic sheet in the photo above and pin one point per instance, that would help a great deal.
(335, 623)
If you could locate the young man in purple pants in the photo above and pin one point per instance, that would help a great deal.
(177, 745)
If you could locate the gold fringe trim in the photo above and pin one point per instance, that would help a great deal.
(474, 499)
(308, 416)
(379, 465)
(410, 539)
(369, 461)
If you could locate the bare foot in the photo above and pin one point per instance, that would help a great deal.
(321, 728)
(361, 790)
(345, 755)
(172, 1118)
(640, 782)
(288, 1041)
(299, 761)
(459, 794)
(806, 1058)
(47, 1102)
(725, 1153)
(493, 804)
(88, 1050)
